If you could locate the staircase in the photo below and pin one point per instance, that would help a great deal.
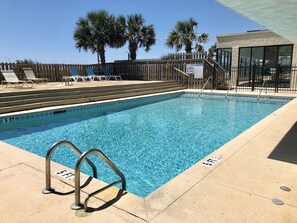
(212, 68)
(25, 100)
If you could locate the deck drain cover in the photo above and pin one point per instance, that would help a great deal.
(277, 201)
(284, 188)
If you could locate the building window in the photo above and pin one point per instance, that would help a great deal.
(224, 57)
(271, 58)
(265, 56)
(285, 55)
(257, 56)
(245, 57)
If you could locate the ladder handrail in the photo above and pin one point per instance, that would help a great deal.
(214, 63)
(48, 188)
(258, 98)
(210, 77)
(185, 74)
(77, 205)
(226, 95)
(181, 71)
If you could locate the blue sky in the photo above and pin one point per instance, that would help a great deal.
(43, 30)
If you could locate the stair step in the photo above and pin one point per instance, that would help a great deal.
(20, 101)
(74, 92)
(84, 89)
(42, 98)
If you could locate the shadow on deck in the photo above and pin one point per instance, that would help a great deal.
(286, 150)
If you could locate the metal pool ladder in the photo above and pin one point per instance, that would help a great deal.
(77, 205)
(258, 98)
(226, 95)
(210, 77)
(83, 157)
(230, 87)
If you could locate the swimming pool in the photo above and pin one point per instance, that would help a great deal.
(151, 140)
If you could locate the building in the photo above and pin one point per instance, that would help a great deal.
(262, 49)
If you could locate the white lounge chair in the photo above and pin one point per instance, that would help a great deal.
(75, 76)
(92, 74)
(108, 75)
(30, 76)
(11, 78)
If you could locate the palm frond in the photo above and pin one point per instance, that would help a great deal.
(183, 34)
(138, 34)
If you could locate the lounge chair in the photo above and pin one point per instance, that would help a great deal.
(108, 75)
(91, 74)
(11, 78)
(75, 76)
(30, 76)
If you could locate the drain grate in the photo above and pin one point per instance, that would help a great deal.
(285, 188)
(277, 201)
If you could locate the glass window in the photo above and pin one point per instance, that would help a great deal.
(224, 58)
(245, 57)
(257, 56)
(271, 56)
(267, 56)
(285, 55)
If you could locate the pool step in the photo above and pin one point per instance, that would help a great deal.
(25, 100)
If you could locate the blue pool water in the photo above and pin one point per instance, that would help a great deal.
(150, 140)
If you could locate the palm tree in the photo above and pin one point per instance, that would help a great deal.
(117, 32)
(212, 50)
(98, 30)
(185, 35)
(202, 39)
(139, 35)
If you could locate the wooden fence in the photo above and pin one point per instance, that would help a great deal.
(187, 56)
(157, 70)
(150, 70)
(171, 57)
(54, 72)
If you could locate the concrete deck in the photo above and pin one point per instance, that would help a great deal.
(239, 188)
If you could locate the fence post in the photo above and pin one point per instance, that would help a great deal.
(253, 77)
(214, 80)
(277, 72)
(57, 74)
(237, 79)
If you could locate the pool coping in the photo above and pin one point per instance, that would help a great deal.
(149, 207)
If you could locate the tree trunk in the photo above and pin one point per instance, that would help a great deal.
(98, 61)
(101, 52)
(132, 50)
(188, 47)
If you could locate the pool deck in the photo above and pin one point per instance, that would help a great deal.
(239, 188)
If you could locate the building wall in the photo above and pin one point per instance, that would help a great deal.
(250, 39)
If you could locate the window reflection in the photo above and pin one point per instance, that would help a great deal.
(224, 58)
(245, 57)
(257, 56)
(268, 56)
(284, 55)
